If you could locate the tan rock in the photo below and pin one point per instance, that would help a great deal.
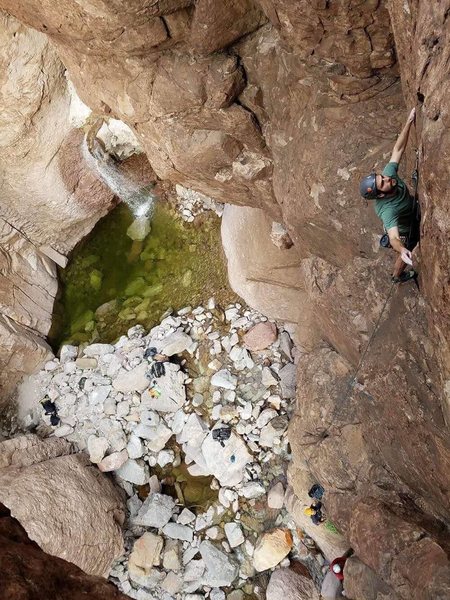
(267, 277)
(27, 450)
(260, 336)
(113, 461)
(86, 363)
(146, 554)
(64, 503)
(286, 584)
(29, 572)
(271, 548)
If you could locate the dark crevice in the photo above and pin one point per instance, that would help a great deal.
(254, 117)
(166, 27)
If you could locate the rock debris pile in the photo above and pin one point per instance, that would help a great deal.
(205, 394)
(190, 204)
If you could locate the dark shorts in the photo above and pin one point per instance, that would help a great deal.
(413, 238)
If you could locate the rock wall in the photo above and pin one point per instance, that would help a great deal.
(79, 511)
(28, 572)
(48, 198)
(282, 106)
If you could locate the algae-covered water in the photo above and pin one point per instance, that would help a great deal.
(113, 282)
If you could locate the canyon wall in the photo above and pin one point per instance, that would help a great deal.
(48, 198)
(282, 106)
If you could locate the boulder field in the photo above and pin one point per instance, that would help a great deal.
(280, 107)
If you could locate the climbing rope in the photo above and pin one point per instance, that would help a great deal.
(371, 339)
(416, 215)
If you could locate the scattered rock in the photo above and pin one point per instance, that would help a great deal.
(97, 447)
(113, 462)
(234, 534)
(288, 380)
(132, 381)
(275, 498)
(260, 336)
(220, 569)
(156, 511)
(86, 363)
(146, 554)
(224, 379)
(271, 548)
(176, 343)
(175, 531)
(133, 472)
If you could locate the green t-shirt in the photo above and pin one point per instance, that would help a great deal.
(396, 210)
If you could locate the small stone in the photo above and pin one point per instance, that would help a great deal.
(176, 531)
(213, 533)
(165, 457)
(86, 363)
(68, 353)
(224, 379)
(122, 409)
(132, 381)
(133, 472)
(135, 447)
(275, 498)
(265, 416)
(98, 350)
(260, 336)
(156, 511)
(267, 378)
(139, 228)
(197, 400)
(236, 595)
(175, 343)
(220, 568)
(186, 516)
(113, 462)
(171, 557)
(253, 489)
(63, 431)
(234, 534)
(286, 584)
(217, 594)
(97, 447)
(145, 554)
(172, 584)
(288, 380)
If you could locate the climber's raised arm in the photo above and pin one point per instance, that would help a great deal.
(402, 139)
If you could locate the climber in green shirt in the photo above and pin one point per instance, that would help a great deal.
(395, 206)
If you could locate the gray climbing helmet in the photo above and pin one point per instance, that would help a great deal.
(368, 187)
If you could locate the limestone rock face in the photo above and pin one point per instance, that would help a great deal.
(28, 572)
(249, 250)
(80, 510)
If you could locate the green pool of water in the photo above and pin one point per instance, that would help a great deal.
(112, 282)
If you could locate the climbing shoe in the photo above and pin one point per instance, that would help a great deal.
(405, 276)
